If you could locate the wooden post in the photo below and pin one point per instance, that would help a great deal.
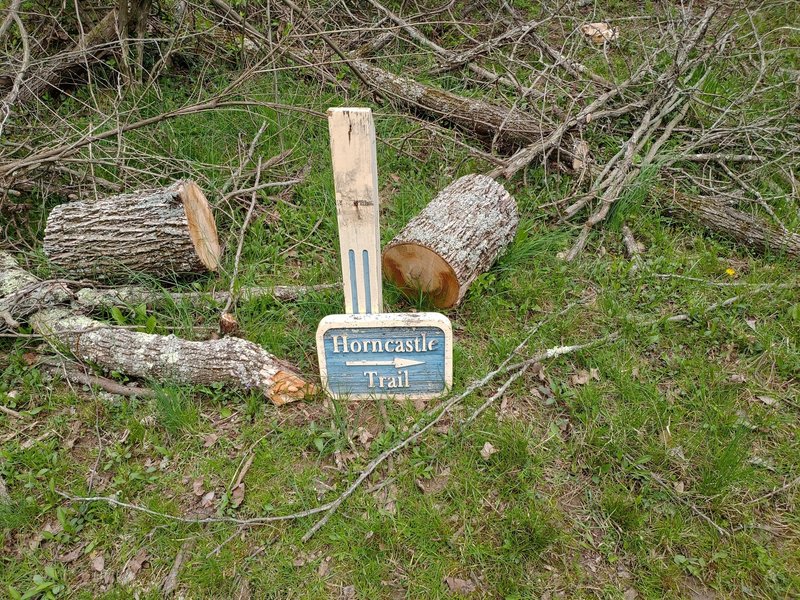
(367, 353)
(355, 176)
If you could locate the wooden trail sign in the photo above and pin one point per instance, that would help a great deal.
(366, 352)
(355, 177)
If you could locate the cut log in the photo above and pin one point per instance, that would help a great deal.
(454, 239)
(157, 232)
(231, 361)
(742, 227)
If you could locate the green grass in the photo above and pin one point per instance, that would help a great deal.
(595, 488)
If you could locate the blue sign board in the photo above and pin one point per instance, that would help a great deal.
(401, 355)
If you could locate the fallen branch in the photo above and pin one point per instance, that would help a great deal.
(742, 227)
(10, 412)
(170, 583)
(90, 48)
(75, 373)
(230, 360)
(93, 298)
(632, 248)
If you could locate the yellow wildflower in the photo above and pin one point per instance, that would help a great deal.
(730, 272)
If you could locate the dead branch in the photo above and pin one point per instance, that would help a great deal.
(632, 247)
(76, 373)
(89, 49)
(729, 222)
(232, 361)
(93, 298)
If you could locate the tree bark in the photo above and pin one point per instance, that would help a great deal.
(737, 225)
(22, 294)
(170, 230)
(84, 52)
(507, 127)
(232, 361)
(454, 239)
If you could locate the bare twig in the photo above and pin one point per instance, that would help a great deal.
(10, 412)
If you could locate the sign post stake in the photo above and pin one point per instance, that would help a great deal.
(366, 352)
(355, 175)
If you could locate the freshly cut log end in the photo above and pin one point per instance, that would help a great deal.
(202, 227)
(415, 267)
(454, 239)
(157, 232)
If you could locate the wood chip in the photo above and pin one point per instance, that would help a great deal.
(488, 450)
(600, 33)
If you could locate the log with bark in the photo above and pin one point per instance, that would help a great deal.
(719, 217)
(232, 361)
(506, 127)
(454, 239)
(157, 232)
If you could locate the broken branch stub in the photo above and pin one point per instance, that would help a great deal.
(454, 239)
(167, 230)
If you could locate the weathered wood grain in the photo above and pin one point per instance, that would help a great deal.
(355, 176)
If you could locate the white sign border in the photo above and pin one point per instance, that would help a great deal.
(376, 321)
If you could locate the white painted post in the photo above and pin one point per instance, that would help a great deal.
(355, 176)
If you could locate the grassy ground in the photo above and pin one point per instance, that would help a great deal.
(615, 469)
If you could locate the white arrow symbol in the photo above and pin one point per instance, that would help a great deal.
(396, 363)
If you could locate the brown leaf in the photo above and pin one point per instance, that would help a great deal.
(737, 378)
(133, 567)
(387, 498)
(324, 567)
(99, 563)
(51, 527)
(435, 484)
(197, 487)
(768, 400)
(348, 592)
(364, 436)
(73, 555)
(209, 440)
(488, 450)
(583, 377)
(237, 495)
(460, 586)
